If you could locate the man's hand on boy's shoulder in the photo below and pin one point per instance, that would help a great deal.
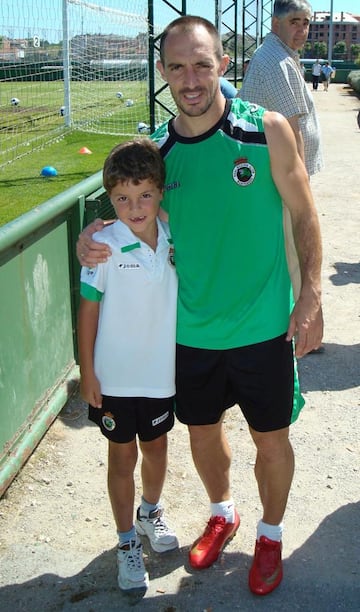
(89, 252)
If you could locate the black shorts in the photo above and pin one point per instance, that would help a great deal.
(259, 377)
(122, 418)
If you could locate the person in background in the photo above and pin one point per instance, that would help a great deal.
(227, 88)
(229, 166)
(274, 79)
(316, 72)
(245, 66)
(126, 329)
(327, 72)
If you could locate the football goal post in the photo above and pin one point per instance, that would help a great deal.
(72, 64)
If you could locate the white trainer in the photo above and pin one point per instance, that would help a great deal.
(132, 575)
(161, 537)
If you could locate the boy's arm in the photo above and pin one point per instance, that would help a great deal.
(87, 329)
(290, 177)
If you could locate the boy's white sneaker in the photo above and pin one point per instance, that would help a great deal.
(132, 575)
(154, 526)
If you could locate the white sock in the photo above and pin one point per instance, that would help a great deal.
(225, 509)
(273, 532)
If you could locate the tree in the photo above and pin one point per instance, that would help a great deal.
(340, 49)
(320, 49)
(355, 51)
(307, 49)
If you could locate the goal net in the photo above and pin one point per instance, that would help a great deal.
(108, 52)
(72, 64)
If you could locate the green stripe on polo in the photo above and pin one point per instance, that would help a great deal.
(90, 293)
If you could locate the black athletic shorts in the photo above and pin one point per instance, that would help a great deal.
(122, 418)
(258, 377)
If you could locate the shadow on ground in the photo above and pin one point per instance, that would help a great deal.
(345, 273)
(322, 575)
(334, 370)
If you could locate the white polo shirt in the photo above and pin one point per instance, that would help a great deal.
(137, 288)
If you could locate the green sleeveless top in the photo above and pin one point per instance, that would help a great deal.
(225, 217)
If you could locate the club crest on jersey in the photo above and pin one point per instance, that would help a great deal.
(171, 258)
(243, 172)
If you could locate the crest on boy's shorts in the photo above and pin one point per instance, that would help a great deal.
(108, 421)
(243, 172)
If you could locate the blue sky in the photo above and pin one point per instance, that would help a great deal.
(22, 18)
(348, 6)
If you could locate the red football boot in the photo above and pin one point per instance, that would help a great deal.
(266, 571)
(208, 547)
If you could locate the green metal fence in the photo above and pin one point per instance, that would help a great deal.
(39, 275)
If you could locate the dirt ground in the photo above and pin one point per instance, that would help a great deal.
(57, 536)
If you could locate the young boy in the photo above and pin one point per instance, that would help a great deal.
(126, 328)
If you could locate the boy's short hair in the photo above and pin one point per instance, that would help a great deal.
(134, 160)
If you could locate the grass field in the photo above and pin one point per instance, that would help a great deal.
(21, 185)
(33, 135)
(94, 107)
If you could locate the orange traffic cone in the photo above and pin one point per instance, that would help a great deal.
(85, 151)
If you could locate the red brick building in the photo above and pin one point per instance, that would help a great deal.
(345, 27)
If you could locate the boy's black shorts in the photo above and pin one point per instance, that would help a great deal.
(258, 377)
(122, 418)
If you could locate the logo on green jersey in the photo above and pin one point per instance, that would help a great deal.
(243, 172)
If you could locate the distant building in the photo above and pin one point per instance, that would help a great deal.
(345, 27)
(12, 49)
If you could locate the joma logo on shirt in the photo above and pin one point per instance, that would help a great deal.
(129, 266)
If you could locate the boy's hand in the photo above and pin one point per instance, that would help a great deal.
(90, 390)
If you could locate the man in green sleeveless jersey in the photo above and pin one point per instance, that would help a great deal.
(229, 166)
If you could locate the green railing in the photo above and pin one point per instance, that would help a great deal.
(39, 275)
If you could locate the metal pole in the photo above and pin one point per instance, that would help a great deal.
(218, 13)
(331, 34)
(236, 55)
(153, 47)
(258, 13)
(151, 65)
(66, 65)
